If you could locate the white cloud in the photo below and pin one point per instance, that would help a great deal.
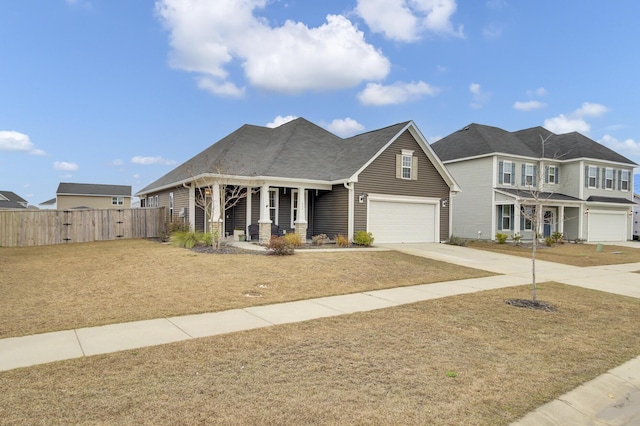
(539, 92)
(479, 96)
(345, 127)
(145, 161)
(396, 93)
(15, 141)
(528, 105)
(207, 37)
(628, 146)
(117, 162)
(406, 20)
(575, 122)
(65, 165)
(280, 120)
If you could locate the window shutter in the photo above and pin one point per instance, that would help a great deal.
(523, 182)
(513, 173)
(597, 177)
(586, 176)
(500, 171)
(546, 174)
(557, 175)
(613, 184)
(414, 168)
(535, 175)
(499, 217)
(398, 166)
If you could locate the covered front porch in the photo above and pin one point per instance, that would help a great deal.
(543, 214)
(256, 210)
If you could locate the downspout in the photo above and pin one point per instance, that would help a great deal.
(351, 187)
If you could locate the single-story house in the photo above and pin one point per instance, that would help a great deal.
(76, 196)
(535, 181)
(301, 178)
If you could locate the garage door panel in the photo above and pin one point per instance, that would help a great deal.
(402, 222)
(607, 226)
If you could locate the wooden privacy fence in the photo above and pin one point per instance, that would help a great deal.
(44, 227)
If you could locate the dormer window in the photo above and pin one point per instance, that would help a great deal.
(406, 165)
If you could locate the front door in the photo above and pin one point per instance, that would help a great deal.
(548, 223)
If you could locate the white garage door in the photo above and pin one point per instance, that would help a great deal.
(607, 226)
(402, 222)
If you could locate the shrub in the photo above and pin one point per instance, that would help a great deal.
(548, 241)
(207, 239)
(457, 241)
(187, 239)
(501, 238)
(517, 239)
(318, 240)
(177, 225)
(557, 237)
(342, 241)
(363, 238)
(279, 246)
(294, 239)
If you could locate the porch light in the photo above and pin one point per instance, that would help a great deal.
(445, 202)
(362, 197)
(586, 211)
(207, 192)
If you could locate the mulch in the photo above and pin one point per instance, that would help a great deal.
(531, 304)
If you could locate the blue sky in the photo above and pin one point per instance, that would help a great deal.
(120, 92)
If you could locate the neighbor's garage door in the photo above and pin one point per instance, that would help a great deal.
(402, 222)
(607, 226)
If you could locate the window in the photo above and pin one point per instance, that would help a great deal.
(117, 201)
(526, 217)
(608, 178)
(157, 204)
(506, 171)
(150, 202)
(171, 205)
(528, 175)
(406, 165)
(505, 217)
(592, 176)
(273, 205)
(624, 180)
(552, 174)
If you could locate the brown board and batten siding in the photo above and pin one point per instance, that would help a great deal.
(331, 211)
(380, 178)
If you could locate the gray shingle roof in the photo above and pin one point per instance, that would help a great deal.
(478, 140)
(298, 149)
(615, 200)
(66, 188)
(11, 200)
(540, 195)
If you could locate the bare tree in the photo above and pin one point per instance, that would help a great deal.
(215, 193)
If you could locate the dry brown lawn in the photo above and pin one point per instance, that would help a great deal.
(569, 254)
(80, 285)
(468, 359)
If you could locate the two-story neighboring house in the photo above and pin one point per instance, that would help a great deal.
(10, 201)
(514, 182)
(74, 196)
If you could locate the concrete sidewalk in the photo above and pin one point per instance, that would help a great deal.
(611, 399)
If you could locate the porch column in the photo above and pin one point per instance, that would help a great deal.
(216, 215)
(301, 222)
(516, 218)
(248, 219)
(265, 220)
(192, 207)
(561, 219)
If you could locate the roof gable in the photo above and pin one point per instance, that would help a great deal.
(11, 200)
